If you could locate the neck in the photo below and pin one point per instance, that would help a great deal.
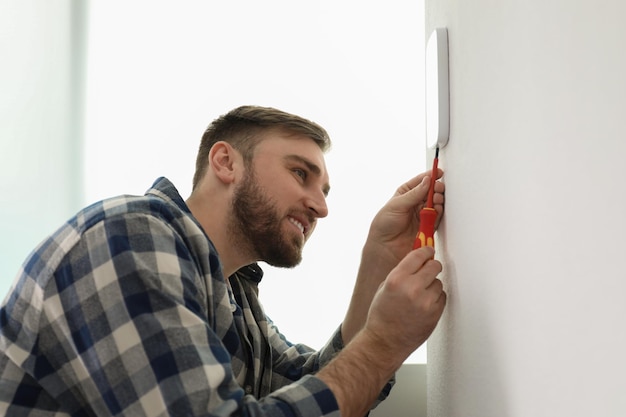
(215, 222)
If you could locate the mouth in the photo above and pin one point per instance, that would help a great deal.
(297, 223)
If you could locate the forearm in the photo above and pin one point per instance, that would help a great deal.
(374, 268)
(358, 374)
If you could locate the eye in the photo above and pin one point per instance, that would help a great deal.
(300, 173)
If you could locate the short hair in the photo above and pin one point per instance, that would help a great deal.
(242, 128)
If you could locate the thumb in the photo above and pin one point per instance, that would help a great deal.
(413, 197)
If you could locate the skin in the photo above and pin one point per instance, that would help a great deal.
(289, 169)
(257, 220)
(397, 299)
(390, 240)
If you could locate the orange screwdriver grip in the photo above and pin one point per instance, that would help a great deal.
(428, 215)
(426, 233)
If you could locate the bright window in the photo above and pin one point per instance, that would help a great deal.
(158, 72)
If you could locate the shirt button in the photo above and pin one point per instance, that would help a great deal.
(248, 389)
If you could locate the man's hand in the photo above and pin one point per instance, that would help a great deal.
(403, 314)
(408, 304)
(390, 238)
(394, 228)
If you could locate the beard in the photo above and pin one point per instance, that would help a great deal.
(257, 222)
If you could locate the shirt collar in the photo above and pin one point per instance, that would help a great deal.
(164, 189)
(252, 272)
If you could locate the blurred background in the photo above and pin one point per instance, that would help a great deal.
(101, 98)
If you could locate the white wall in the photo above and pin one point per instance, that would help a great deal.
(532, 241)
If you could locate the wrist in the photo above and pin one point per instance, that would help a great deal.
(376, 263)
(378, 258)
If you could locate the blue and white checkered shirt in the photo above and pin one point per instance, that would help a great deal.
(125, 311)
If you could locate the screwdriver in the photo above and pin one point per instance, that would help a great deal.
(428, 215)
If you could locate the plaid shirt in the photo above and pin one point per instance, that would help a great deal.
(125, 311)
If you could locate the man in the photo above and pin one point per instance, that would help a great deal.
(147, 306)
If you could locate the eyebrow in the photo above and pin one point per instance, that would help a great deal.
(316, 170)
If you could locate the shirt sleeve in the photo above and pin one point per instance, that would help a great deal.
(126, 330)
(290, 362)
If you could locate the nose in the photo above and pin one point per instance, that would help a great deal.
(317, 204)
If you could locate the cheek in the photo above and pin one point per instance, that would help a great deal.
(280, 188)
(273, 183)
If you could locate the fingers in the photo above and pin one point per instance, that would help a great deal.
(438, 201)
(415, 181)
(419, 190)
(410, 301)
(440, 189)
(412, 194)
(427, 267)
(416, 278)
(421, 267)
(436, 287)
(419, 258)
(409, 199)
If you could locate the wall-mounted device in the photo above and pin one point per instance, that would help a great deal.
(437, 90)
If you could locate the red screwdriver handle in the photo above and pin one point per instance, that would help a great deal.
(426, 233)
(428, 215)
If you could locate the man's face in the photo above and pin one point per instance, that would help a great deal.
(280, 198)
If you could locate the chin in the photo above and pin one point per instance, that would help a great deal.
(285, 260)
(283, 264)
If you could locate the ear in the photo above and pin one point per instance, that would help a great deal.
(224, 161)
